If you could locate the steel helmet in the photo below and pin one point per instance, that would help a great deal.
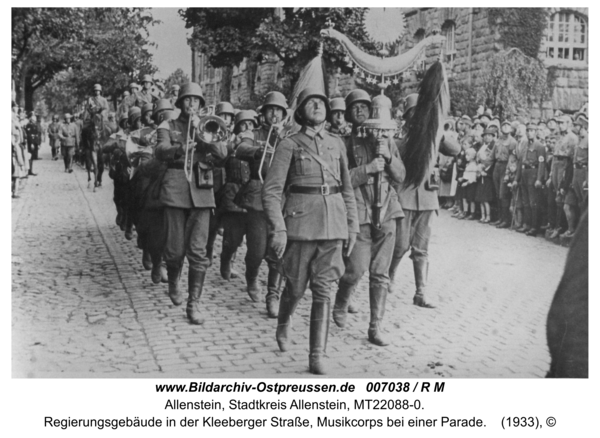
(134, 85)
(55, 117)
(175, 87)
(97, 87)
(147, 78)
(356, 96)
(224, 108)
(303, 97)
(190, 89)
(162, 105)
(68, 116)
(126, 93)
(275, 98)
(243, 116)
(337, 104)
(134, 114)
(148, 107)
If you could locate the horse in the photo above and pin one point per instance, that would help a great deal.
(93, 135)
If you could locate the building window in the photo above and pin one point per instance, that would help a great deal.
(566, 39)
(449, 31)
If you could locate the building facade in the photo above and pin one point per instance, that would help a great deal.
(470, 40)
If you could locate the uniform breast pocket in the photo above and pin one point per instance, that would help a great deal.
(301, 162)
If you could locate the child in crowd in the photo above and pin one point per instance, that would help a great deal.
(468, 182)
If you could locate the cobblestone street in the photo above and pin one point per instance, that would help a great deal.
(83, 306)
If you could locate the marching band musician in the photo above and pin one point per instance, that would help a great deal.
(274, 110)
(187, 196)
(319, 214)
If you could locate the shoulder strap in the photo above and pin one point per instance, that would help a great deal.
(319, 160)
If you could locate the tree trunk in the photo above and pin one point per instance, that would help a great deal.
(226, 76)
(251, 69)
(28, 92)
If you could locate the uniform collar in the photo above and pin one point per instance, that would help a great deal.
(308, 131)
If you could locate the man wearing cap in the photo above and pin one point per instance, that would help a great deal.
(234, 218)
(69, 139)
(577, 179)
(97, 104)
(419, 205)
(33, 134)
(530, 175)
(53, 131)
(251, 150)
(562, 162)
(505, 146)
(187, 195)
(337, 124)
(225, 111)
(371, 157)
(319, 219)
(114, 150)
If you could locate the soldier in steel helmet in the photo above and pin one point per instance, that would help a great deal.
(319, 219)
(69, 139)
(338, 124)
(53, 130)
(187, 195)
(371, 157)
(225, 111)
(420, 205)
(237, 172)
(146, 95)
(274, 110)
(97, 104)
(147, 116)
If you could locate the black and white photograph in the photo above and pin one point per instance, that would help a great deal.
(298, 192)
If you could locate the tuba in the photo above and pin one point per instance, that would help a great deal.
(212, 129)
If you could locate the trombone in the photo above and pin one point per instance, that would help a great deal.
(213, 130)
(268, 150)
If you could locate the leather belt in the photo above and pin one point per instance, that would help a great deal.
(175, 166)
(527, 166)
(579, 166)
(502, 161)
(316, 190)
(560, 157)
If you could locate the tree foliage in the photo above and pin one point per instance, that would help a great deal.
(522, 28)
(177, 77)
(99, 45)
(512, 81)
(227, 36)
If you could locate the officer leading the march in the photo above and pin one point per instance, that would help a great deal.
(187, 195)
(318, 216)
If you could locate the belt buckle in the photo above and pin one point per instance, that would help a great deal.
(324, 190)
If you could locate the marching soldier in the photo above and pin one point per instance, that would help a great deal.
(237, 172)
(187, 196)
(97, 104)
(370, 158)
(225, 111)
(530, 175)
(577, 178)
(146, 96)
(33, 134)
(69, 139)
(319, 214)
(53, 130)
(420, 204)
(337, 124)
(114, 149)
(266, 136)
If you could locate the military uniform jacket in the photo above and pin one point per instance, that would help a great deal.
(69, 134)
(142, 98)
(534, 157)
(176, 190)
(97, 105)
(34, 133)
(237, 173)
(250, 193)
(53, 131)
(310, 216)
(580, 164)
(419, 198)
(361, 151)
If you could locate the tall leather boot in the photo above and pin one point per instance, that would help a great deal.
(195, 283)
(377, 299)
(392, 273)
(319, 329)
(274, 281)
(420, 268)
(342, 300)
(164, 277)
(156, 274)
(146, 260)
(226, 258)
(252, 286)
(287, 306)
(173, 274)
